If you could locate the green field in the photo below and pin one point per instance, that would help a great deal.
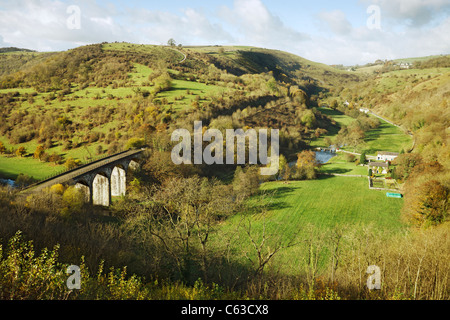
(11, 167)
(325, 203)
(339, 165)
(384, 138)
(387, 138)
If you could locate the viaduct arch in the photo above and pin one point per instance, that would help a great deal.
(99, 180)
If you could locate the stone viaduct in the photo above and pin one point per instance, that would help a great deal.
(99, 180)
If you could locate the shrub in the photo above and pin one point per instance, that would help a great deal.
(72, 163)
(24, 180)
(57, 188)
(135, 143)
(21, 151)
(349, 157)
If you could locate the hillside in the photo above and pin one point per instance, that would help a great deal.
(92, 100)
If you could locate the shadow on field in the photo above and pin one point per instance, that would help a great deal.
(272, 199)
(335, 170)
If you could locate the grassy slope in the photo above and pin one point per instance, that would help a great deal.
(325, 203)
(281, 63)
(387, 138)
(384, 138)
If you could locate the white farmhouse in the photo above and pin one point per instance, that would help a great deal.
(386, 156)
(365, 110)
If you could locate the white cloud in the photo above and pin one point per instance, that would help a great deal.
(336, 21)
(43, 25)
(257, 26)
(191, 27)
(414, 13)
(424, 28)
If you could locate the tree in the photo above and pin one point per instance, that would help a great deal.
(39, 152)
(73, 200)
(55, 158)
(57, 188)
(266, 246)
(405, 163)
(334, 104)
(23, 180)
(309, 119)
(283, 171)
(306, 164)
(2, 148)
(171, 42)
(135, 143)
(99, 149)
(71, 163)
(162, 83)
(21, 151)
(429, 203)
(362, 157)
(190, 208)
(246, 181)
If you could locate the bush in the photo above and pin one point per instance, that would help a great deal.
(71, 163)
(23, 275)
(57, 188)
(24, 180)
(135, 143)
(349, 157)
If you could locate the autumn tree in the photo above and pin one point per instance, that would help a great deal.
(55, 158)
(71, 163)
(429, 203)
(305, 167)
(405, 163)
(21, 151)
(39, 152)
(2, 148)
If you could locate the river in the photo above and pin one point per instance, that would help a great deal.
(321, 157)
(324, 156)
(8, 182)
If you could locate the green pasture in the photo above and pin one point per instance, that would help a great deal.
(11, 167)
(325, 203)
(384, 138)
(340, 165)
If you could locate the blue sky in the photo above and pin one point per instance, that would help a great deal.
(332, 32)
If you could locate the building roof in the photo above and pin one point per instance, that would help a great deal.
(379, 164)
(387, 153)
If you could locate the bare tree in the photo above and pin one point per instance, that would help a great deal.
(190, 211)
(265, 246)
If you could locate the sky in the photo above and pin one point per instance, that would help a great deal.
(347, 32)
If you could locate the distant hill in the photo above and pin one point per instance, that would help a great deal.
(14, 49)
(314, 77)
